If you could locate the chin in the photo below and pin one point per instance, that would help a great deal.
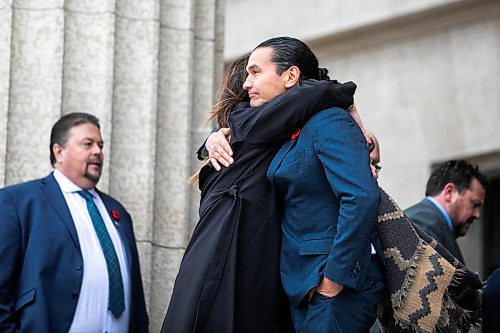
(94, 178)
(255, 103)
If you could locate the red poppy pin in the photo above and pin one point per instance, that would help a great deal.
(116, 216)
(295, 135)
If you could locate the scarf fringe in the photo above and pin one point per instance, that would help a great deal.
(398, 298)
(464, 287)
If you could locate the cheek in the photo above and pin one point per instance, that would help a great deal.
(263, 82)
(465, 213)
(279, 87)
(80, 161)
(271, 89)
(258, 83)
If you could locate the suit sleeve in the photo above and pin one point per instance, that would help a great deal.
(277, 120)
(10, 252)
(139, 314)
(340, 145)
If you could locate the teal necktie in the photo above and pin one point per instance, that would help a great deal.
(116, 303)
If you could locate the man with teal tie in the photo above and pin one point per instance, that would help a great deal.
(69, 259)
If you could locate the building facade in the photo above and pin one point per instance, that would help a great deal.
(428, 75)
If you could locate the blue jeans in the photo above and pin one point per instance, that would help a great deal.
(350, 311)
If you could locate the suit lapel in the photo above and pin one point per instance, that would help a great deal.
(54, 195)
(280, 156)
(122, 230)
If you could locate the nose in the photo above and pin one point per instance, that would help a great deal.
(477, 213)
(247, 85)
(96, 149)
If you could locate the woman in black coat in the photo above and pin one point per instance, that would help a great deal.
(229, 279)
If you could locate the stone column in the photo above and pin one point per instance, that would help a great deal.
(5, 51)
(149, 70)
(35, 86)
(135, 104)
(187, 78)
(88, 73)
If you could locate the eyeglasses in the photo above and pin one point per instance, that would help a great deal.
(376, 165)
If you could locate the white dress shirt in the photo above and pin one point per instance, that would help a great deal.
(92, 314)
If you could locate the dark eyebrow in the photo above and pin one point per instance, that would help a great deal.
(90, 139)
(252, 67)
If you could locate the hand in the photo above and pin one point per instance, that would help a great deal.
(329, 288)
(219, 150)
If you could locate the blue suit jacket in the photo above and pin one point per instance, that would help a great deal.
(330, 204)
(41, 263)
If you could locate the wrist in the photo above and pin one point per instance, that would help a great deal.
(328, 287)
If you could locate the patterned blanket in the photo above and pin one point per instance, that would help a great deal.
(429, 290)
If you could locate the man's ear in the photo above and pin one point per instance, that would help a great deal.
(293, 77)
(450, 192)
(57, 149)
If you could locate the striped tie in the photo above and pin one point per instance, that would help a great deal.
(116, 302)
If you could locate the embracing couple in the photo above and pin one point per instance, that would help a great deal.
(286, 239)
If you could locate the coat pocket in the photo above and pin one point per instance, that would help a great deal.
(316, 246)
(25, 299)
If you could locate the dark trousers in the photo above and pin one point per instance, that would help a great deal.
(350, 311)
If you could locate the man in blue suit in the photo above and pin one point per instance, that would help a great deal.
(69, 259)
(329, 268)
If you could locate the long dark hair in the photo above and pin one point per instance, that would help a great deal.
(232, 93)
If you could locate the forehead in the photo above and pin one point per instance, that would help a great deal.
(83, 131)
(260, 57)
(476, 191)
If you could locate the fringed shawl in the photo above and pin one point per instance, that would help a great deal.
(430, 290)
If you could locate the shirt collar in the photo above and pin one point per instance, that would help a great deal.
(67, 186)
(442, 210)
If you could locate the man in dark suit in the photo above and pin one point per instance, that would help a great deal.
(69, 259)
(454, 197)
